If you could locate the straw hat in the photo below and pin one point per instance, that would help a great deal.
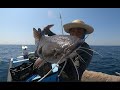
(78, 24)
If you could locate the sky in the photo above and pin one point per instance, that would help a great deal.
(16, 24)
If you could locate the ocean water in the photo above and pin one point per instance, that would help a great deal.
(107, 62)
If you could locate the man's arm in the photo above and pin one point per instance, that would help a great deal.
(85, 53)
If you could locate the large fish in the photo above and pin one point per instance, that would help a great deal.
(51, 49)
(56, 48)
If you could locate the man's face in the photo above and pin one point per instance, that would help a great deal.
(76, 32)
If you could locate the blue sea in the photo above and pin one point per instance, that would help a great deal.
(108, 63)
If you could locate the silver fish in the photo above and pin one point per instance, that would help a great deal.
(51, 48)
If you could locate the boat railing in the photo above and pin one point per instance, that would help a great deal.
(11, 62)
(20, 60)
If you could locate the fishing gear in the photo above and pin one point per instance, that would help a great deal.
(61, 23)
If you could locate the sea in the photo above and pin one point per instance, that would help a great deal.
(105, 59)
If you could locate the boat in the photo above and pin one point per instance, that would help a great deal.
(21, 70)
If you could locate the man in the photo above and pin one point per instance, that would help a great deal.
(79, 29)
(25, 53)
(82, 56)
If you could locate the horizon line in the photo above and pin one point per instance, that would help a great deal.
(34, 44)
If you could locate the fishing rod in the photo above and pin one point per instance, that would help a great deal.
(61, 23)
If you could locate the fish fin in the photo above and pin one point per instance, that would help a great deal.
(46, 29)
(36, 34)
(39, 30)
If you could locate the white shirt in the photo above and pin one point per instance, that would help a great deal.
(25, 52)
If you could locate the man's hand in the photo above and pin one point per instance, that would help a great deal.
(38, 63)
